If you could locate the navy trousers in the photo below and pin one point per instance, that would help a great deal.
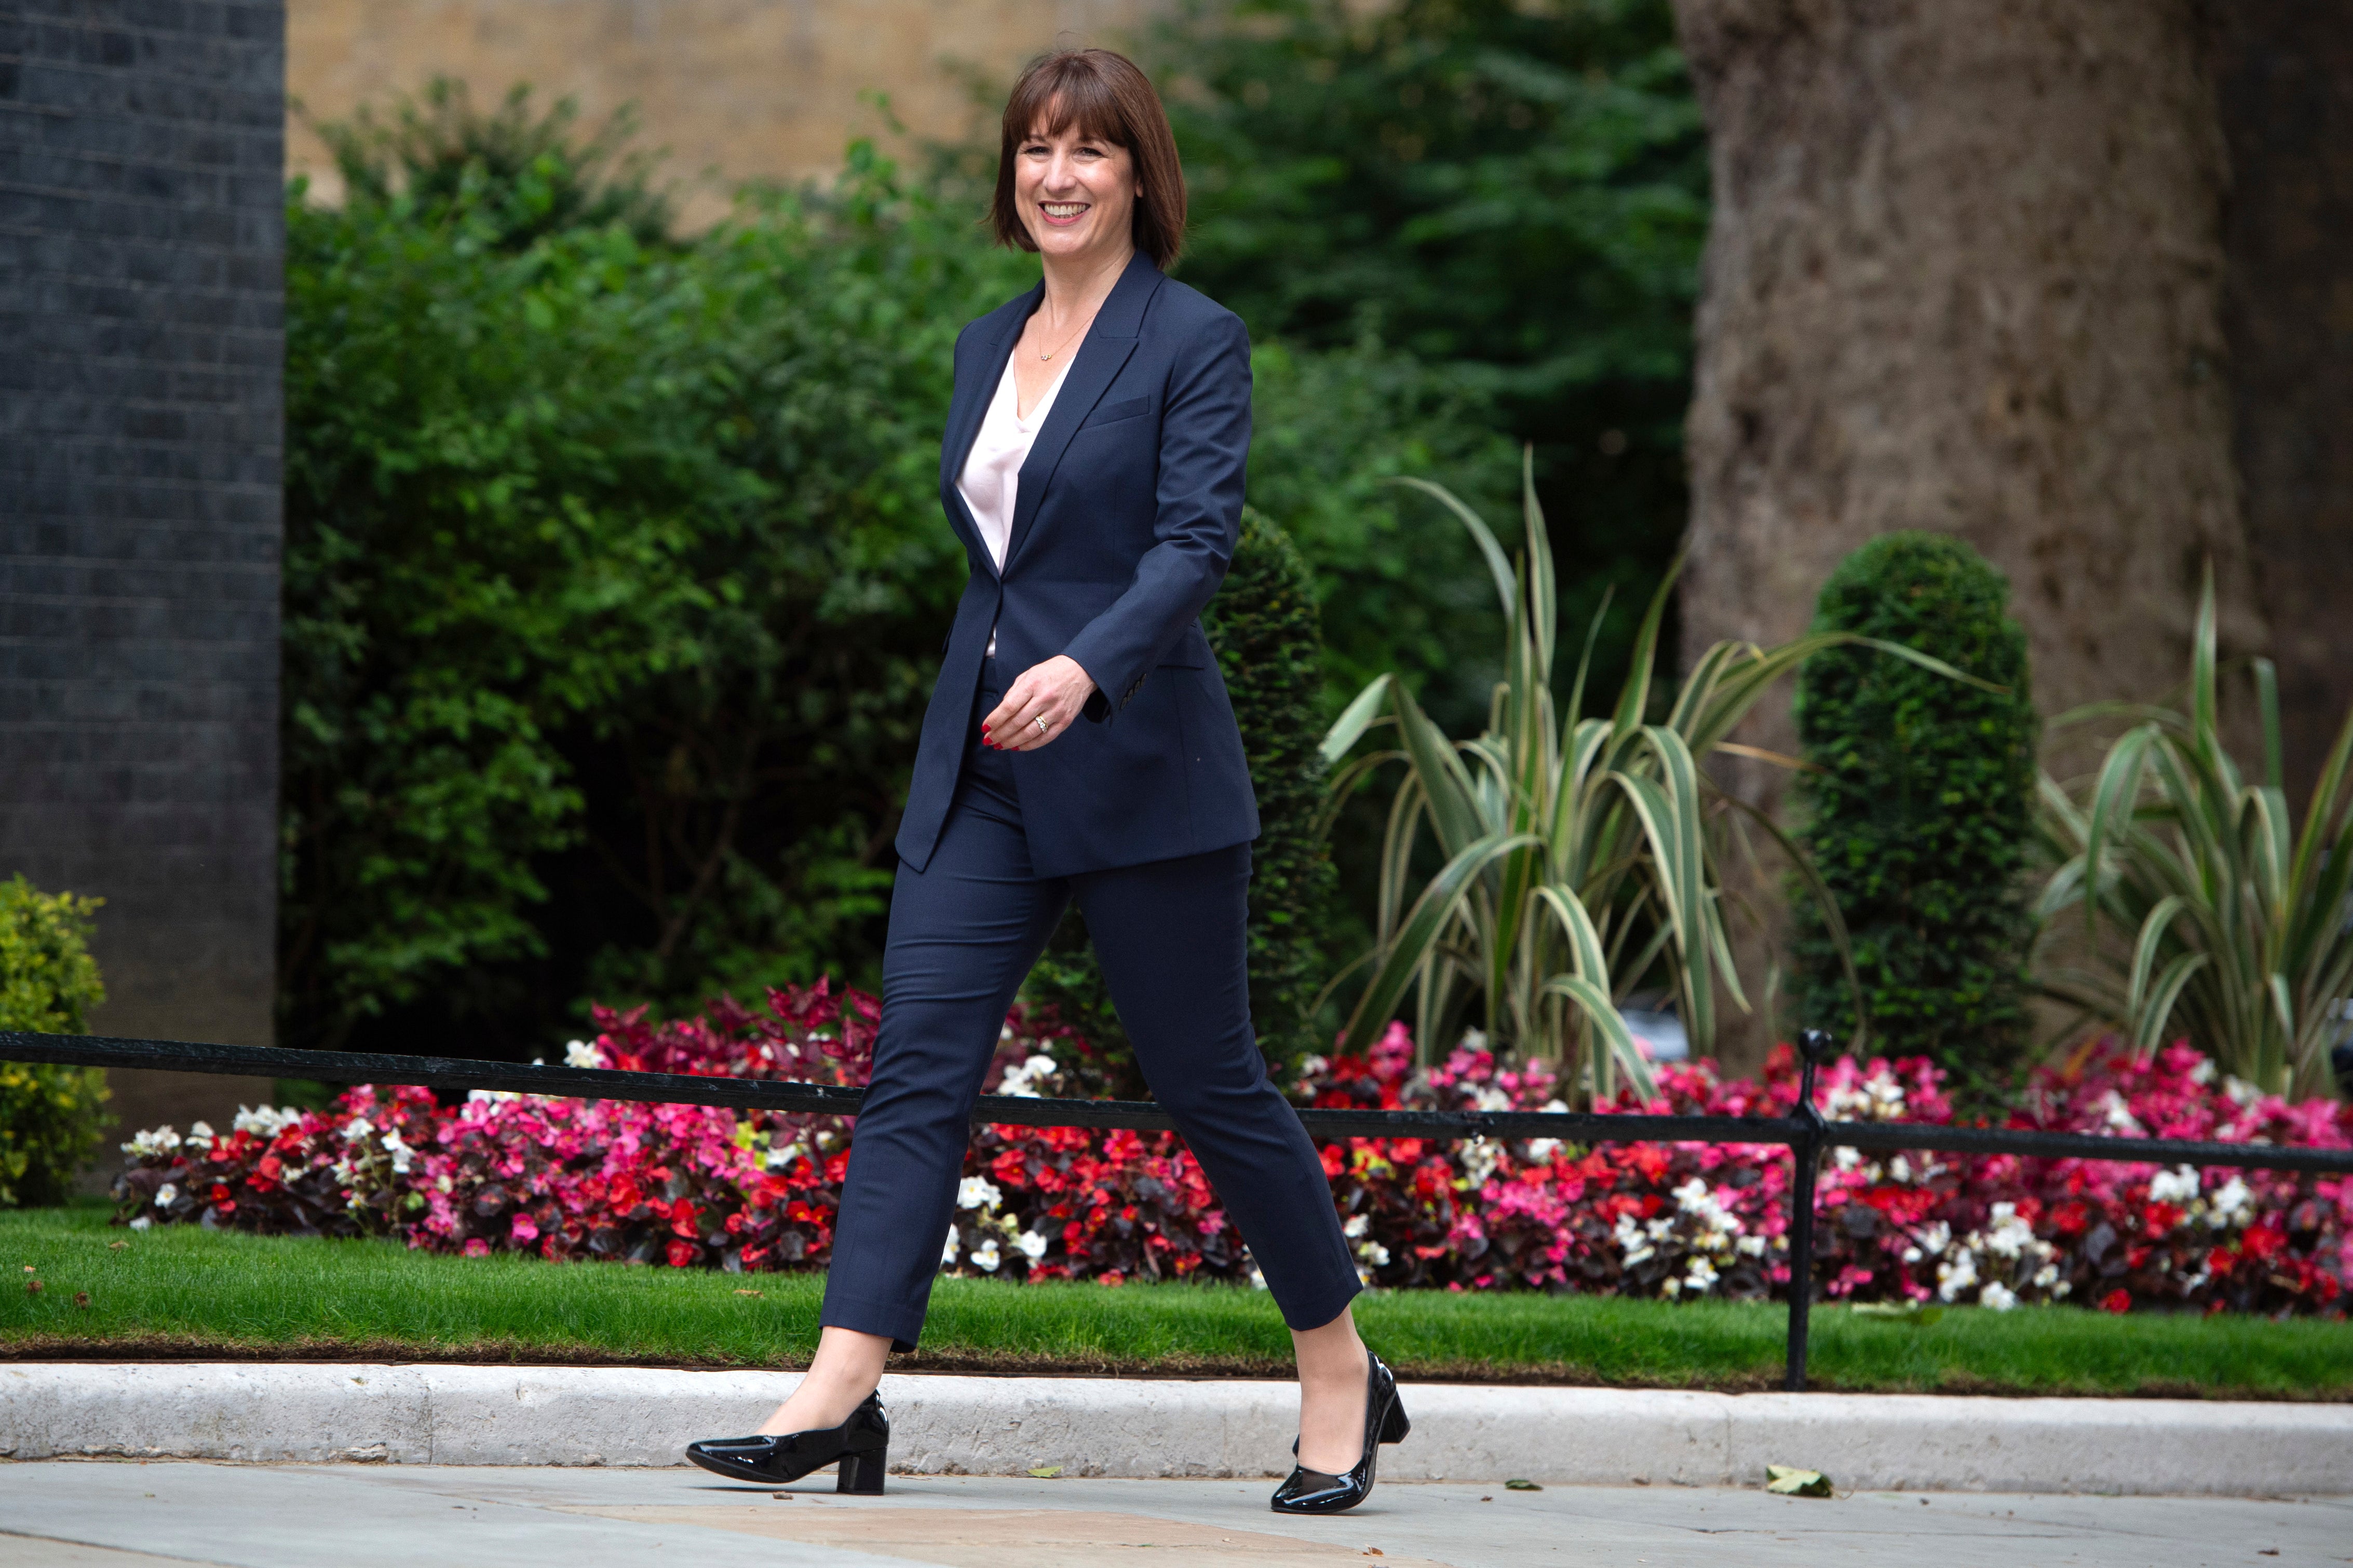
(1171, 938)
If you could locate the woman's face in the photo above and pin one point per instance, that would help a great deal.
(1076, 193)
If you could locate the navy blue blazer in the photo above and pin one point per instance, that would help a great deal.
(1125, 518)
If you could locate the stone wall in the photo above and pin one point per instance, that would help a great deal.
(766, 89)
(141, 250)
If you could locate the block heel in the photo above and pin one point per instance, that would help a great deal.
(862, 1474)
(1396, 1427)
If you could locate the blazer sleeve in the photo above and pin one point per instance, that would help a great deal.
(1205, 432)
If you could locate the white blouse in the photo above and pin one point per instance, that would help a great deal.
(992, 472)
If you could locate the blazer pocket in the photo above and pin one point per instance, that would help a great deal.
(1111, 413)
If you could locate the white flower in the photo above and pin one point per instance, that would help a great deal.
(1694, 1195)
(1899, 1169)
(1935, 1238)
(154, 1141)
(2240, 1090)
(1478, 1158)
(1751, 1246)
(1672, 1288)
(399, 1150)
(1491, 1099)
(358, 1128)
(2233, 1203)
(985, 1256)
(1543, 1148)
(167, 1194)
(1703, 1275)
(782, 1159)
(2119, 1115)
(1997, 1296)
(1258, 1281)
(948, 1252)
(2173, 1186)
(1845, 1159)
(490, 1096)
(2204, 1071)
(1555, 1107)
(977, 1193)
(2010, 1236)
(1374, 1253)
(1032, 1245)
(1357, 1225)
(202, 1129)
(1474, 1040)
(442, 1184)
(2045, 1274)
(581, 1053)
(1005, 1033)
(264, 1122)
(1956, 1275)
(1628, 1236)
(142, 1223)
(1021, 1078)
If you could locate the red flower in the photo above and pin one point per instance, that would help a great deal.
(2116, 1301)
(681, 1254)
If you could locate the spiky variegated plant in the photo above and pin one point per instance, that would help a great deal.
(1577, 851)
(2225, 923)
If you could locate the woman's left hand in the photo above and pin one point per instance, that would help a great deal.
(1043, 702)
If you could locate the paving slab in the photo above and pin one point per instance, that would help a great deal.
(1164, 1428)
(139, 1514)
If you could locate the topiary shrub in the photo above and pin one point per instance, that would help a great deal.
(1919, 815)
(1263, 626)
(50, 1117)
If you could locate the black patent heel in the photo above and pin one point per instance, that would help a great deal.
(1397, 1427)
(1313, 1492)
(861, 1474)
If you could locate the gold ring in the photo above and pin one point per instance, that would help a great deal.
(1040, 723)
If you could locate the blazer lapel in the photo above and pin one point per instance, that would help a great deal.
(968, 404)
(1102, 357)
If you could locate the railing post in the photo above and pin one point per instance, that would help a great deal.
(1805, 1153)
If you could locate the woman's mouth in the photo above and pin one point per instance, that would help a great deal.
(1061, 213)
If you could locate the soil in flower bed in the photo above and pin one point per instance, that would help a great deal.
(186, 1293)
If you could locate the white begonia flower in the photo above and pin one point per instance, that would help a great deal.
(2233, 1203)
(1997, 1296)
(1357, 1225)
(986, 1257)
(2239, 1090)
(1751, 1246)
(1374, 1253)
(2178, 1186)
(1886, 1094)
(1693, 1194)
(581, 1053)
(1845, 1159)
(154, 1141)
(1543, 1148)
(442, 1184)
(948, 1252)
(1660, 1228)
(142, 1223)
(1005, 1033)
(1032, 1245)
(203, 1129)
(359, 1127)
(1257, 1279)
(1935, 1239)
(2118, 1115)
(1474, 1040)
(263, 1121)
(1021, 1079)
(399, 1150)
(977, 1193)
(1899, 1169)
(167, 1194)
(1956, 1275)
(1491, 1099)
(2010, 1236)
(1555, 1107)
(1702, 1275)
(490, 1096)
(1479, 1158)
(1630, 1239)
(1670, 1288)
(2204, 1073)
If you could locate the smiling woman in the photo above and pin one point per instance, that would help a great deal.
(1092, 468)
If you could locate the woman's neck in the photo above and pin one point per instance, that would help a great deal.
(1078, 285)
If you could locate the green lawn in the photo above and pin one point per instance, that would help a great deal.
(188, 1293)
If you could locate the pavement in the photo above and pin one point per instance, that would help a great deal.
(147, 1514)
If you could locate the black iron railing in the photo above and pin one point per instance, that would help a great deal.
(1806, 1134)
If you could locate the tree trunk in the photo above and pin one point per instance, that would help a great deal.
(1965, 273)
(2284, 75)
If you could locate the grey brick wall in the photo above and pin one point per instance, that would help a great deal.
(142, 243)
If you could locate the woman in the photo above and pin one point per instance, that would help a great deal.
(1080, 744)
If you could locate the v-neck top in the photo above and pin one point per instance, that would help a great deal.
(992, 470)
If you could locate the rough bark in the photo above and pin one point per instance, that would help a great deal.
(2283, 76)
(1965, 273)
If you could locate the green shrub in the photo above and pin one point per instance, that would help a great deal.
(1919, 816)
(50, 1117)
(1263, 626)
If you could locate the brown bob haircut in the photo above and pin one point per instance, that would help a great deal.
(1106, 96)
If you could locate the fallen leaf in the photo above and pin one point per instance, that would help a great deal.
(116, 1246)
(81, 1297)
(747, 1292)
(1912, 1313)
(1517, 1485)
(1791, 1481)
(32, 1287)
(1486, 1499)
(30, 1269)
(782, 1497)
(1045, 1472)
(1373, 1552)
(1642, 1481)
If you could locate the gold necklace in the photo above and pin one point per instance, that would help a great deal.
(1074, 337)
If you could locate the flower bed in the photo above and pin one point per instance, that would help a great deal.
(690, 1186)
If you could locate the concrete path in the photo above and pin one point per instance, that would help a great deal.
(134, 1514)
